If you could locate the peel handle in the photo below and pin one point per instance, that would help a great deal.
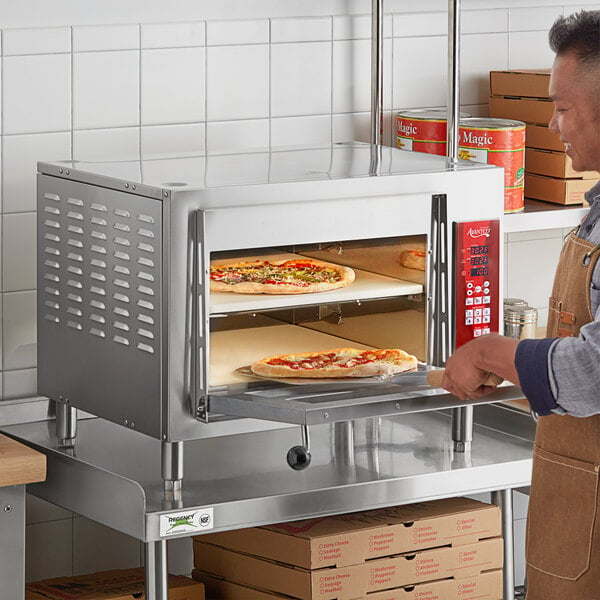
(434, 379)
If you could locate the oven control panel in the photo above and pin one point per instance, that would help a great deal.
(477, 279)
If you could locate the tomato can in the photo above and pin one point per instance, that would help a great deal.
(423, 130)
(499, 142)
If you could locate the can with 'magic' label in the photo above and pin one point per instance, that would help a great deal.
(423, 130)
(499, 142)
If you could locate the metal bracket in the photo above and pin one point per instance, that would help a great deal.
(200, 319)
(439, 296)
(331, 313)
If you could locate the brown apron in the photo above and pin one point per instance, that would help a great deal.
(563, 525)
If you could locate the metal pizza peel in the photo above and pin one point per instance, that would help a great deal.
(431, 378)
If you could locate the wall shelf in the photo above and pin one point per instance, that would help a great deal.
(544, 215)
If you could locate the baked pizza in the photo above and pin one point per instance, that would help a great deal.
(295, 276)
(413, 259)
(338, 362)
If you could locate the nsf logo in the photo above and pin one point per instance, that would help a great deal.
(205, 520)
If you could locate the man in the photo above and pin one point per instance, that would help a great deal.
(560, 375)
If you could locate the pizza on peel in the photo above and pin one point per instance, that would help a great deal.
(295, 276)
(335, 363)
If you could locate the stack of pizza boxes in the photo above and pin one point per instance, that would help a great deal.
(549, 174)
(446, 549)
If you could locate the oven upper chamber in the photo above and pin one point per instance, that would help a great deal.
(127, 327)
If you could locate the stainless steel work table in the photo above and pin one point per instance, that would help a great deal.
(113, 477)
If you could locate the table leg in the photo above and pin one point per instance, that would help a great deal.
(156, 582)
(12, 541)
(504, 499)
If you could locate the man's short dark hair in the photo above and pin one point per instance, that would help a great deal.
(578, 33)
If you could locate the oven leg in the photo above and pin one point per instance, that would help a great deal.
(172, 466)
(343, 443)
(504, 499)
(156, 578)
(66, 425)
(12, 544)
(462, 428)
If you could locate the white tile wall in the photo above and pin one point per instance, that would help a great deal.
(173, 35)
(106, 144)
(168, 140)
(154, 79)
(173, 86)
(36, 93)
(105, 89)
(102, 37)
(19, 158)
(244, 92)
(18, 252)
(40, 40)
(221, 33)
(300, 79)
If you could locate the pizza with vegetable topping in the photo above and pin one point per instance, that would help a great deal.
(295, 276)
(338, 362)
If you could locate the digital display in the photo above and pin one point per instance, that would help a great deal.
(479, 260)
(477, 271)
(475, 250)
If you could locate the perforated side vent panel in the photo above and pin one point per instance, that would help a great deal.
(100, 271)
(100, 266)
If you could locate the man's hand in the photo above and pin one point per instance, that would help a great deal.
(470, 366)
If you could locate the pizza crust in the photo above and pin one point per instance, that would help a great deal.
(396, 361)
(413, 259)
(346, 277)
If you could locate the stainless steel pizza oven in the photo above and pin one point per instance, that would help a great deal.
(127, 327)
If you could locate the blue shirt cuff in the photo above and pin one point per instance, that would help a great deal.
(531, 362)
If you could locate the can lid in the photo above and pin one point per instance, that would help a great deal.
(514, 302)
(491, 123)
(520, 314)
(437, 114)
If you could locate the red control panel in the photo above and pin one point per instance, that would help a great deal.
(477, 269)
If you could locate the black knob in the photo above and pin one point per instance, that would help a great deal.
(298, 457)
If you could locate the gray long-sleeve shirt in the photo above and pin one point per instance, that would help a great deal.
(563, 375)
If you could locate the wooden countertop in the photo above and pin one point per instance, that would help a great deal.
(19, 464)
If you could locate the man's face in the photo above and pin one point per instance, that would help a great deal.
(576, 112)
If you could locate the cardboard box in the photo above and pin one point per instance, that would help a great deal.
(559, 191)
(350, 539)
(530, 110)
(539, 136)
(122, 584)
(554, 164)
(532, 83)
(351, 582)
(487, 586)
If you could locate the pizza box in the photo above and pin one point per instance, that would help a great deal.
(122, 584)
(559, 191)
(554, 164)
(487, 586)
(354, 538)
(529, 110)
(355, 581)
(531, 83)
(540, 136)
